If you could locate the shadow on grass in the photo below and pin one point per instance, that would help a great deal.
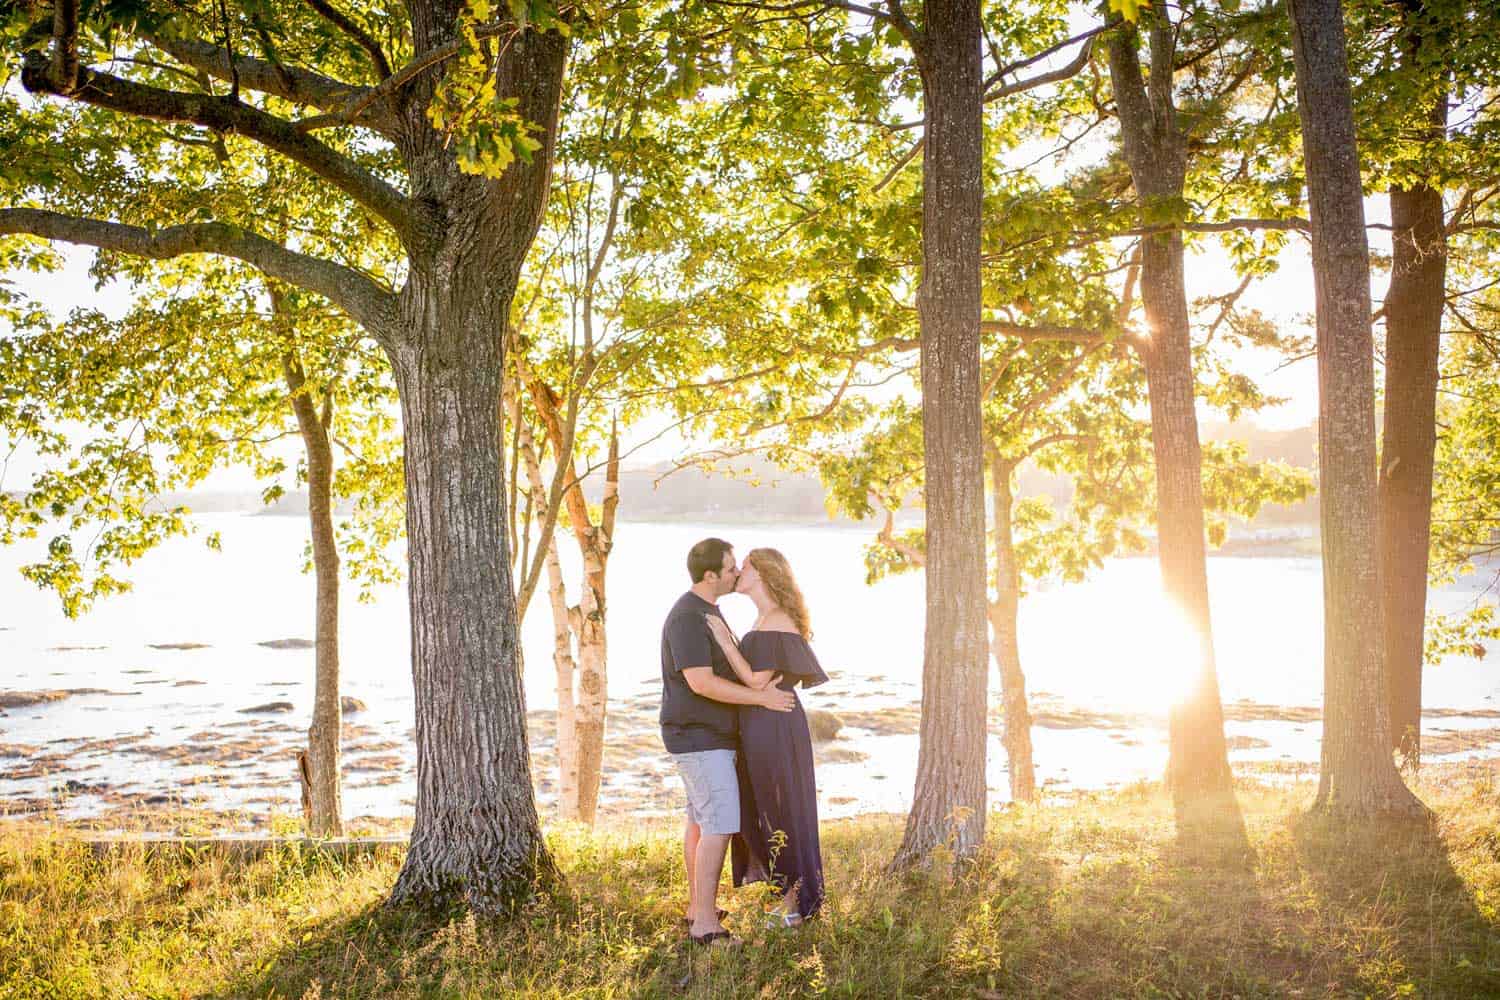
(554, 944)
(1211, 831)
(1411, 923)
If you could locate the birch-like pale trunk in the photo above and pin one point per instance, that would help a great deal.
(565, 667)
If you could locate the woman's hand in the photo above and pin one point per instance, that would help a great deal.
(720, 630)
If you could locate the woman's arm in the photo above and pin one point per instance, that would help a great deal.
(748, 675)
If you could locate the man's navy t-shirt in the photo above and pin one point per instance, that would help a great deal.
(689, 721)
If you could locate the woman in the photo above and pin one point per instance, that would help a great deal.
(778, 841)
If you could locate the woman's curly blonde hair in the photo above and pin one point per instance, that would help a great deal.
(776, 574)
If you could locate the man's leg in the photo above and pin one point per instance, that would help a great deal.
(714, 816)
(690, 834)
(709, 865)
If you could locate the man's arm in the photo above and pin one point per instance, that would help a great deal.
(746, 673)
(705, 682)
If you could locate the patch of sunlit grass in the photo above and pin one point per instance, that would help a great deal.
(1090, 895)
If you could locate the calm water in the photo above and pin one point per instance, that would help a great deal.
(1104, 645)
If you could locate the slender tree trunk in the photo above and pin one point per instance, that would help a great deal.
(565, 668)
(1413, 324)
(1358, 776)
(1198, 765)
(323, 780)
(563, 663)
(1156, 151)
(1414, 320)
(1005, 645)
(949, 802)
(593, 646)
(588, 618)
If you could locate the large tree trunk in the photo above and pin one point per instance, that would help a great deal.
(476, 828)
(1413, 330)
(322, 780)
(949, 802)
(1358, 776)
(476, 831)
(1156, 151)
(1005, 645)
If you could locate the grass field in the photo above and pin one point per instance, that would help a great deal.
(1095, 896)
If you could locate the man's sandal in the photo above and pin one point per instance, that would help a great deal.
(715, 939)
(720, 914)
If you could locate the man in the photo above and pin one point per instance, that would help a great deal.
(700, 727)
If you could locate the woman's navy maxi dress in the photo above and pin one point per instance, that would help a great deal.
(777, 788)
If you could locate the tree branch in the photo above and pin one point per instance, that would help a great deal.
(1048, 440)
(370, 305)
(299, 86)
(391, 84)
(1069, 71)
(345, 24)
(894, 14)
(900, 165)
(226, 115)
(887, 537)
(1003, 71)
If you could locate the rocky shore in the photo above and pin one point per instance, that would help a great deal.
(246, 763)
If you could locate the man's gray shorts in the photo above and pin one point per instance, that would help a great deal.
(713, 790)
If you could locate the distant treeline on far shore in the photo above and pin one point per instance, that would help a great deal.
(750, 489)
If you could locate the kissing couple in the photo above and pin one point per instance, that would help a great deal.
(731, 720)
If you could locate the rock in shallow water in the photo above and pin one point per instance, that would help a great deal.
(287, 644)
(25, 699)
(824, 725)
(270, 706)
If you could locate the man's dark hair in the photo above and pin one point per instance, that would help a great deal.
(705, 556)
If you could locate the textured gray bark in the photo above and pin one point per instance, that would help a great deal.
(1358, 776)
(476, 830)
(323, 779)
(1005, 644)
(1156, 152)
(1413, 324)
(949, 803)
